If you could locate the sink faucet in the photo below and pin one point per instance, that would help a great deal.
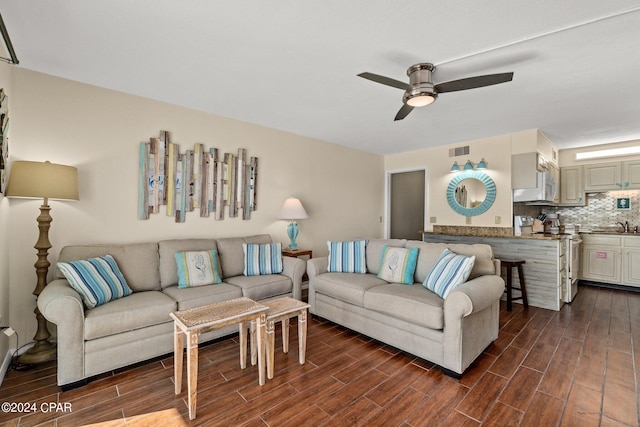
(625, 226)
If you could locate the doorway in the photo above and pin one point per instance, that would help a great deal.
(406, 209)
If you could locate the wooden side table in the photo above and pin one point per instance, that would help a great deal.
(297, 253)
(191, 323)
(281, 310)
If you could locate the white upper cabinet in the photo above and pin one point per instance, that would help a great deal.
(631, 174)
(612, 176)
(572, 186)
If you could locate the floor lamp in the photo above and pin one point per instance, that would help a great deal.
(292, 209)
(42, 180)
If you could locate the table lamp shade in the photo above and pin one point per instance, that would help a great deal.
(293, 209)
(42, 180)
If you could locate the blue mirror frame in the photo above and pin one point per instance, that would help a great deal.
(489, 186)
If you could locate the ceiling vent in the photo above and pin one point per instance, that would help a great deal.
(459, 151)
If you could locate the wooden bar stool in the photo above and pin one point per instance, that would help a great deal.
(509, 264)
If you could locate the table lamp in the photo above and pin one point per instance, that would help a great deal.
(292, 209)
(42, 180)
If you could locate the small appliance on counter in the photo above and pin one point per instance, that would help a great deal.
(552, 224)
(522, 225)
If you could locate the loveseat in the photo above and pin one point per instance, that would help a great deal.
(450, 332)
(137, 327)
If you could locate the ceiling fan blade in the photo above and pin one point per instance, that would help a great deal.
(404, 112)
(385, 80)
(473, 82)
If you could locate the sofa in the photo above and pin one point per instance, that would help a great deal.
(450, 332)
(137, 327)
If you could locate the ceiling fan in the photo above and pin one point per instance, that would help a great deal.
(421, 91)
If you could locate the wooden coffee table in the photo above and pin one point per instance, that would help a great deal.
(193, 322)
(281, 309)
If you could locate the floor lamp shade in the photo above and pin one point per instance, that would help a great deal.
(42, 180)
(292, 209)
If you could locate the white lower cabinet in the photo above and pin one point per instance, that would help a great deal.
(601, 264)
(611, 259)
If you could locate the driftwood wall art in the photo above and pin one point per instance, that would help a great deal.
(198, 180)
(4, 139)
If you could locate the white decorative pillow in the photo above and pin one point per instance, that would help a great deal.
(398, 264)
(262, 259)
(449, 271)
(97, 280)
(347, 257)
(197, 268)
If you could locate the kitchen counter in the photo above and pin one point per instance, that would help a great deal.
(535, 236)
(544, 256)
(610, 233)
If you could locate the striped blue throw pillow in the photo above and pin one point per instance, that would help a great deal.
(449, 271)
(97, 280)
(262, 259)
(197, 268)
(347, 257)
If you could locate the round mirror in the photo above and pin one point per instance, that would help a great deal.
(471, 193)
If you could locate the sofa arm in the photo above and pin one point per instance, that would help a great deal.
(317, 266)
(474, 295)
(471, 320)
(294, 269)
(59, 303)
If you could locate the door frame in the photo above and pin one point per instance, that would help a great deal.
(387, 196)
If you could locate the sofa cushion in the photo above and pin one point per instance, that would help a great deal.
(138, 310)
(429, 253)
(168, 248)
(398, 265)
(260, 287)
(231, 253)
(262, 259)
(347, 257)
(202, 295)
(374, 252)
(97, 280)
(138, 262)
(348, 287)
(412, 303)
(449, 271)
(197, 268)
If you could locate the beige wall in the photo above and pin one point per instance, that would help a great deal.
(5, 84)
(497, 153)
(99, 132)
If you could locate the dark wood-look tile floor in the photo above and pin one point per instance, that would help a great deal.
(576, 367)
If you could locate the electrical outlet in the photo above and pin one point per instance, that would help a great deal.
(469, 220)
(432, 219)
(498, 220)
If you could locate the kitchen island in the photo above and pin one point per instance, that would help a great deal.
(544, 255)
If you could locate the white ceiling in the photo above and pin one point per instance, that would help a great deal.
(292, 64)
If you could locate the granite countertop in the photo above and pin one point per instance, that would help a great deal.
(536, 236)
(608, 233)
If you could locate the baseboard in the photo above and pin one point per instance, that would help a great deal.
(6, 363)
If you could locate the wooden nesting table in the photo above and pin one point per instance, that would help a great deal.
(191, 323)
(281, 309)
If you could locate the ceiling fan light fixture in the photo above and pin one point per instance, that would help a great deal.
(420, 100)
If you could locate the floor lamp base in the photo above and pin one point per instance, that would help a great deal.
(41, 352)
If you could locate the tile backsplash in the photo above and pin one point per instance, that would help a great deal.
(601, 211)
